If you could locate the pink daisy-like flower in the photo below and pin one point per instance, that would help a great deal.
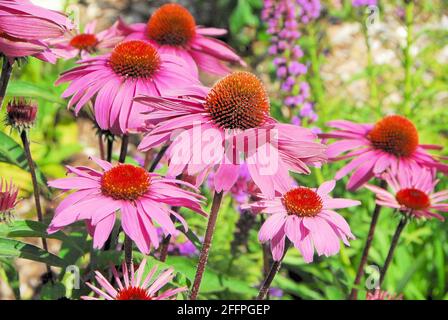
(142, 198)
(25, 29)
(382, 295)
(392, 142)
(135, 286)
(86, 43)
(412, 194)
(172, 29)
(133, 68)
(226, 126)
(8, 198)
(307, 218)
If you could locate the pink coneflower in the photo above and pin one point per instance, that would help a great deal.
(306, 217)
(172, 29)
(378, 294)
(135, 287)
(25, 29)
(86, 43)
(230, 120)
(8, 198)
(142, 198)
(132, 69)
(392, 142)
(412, 194)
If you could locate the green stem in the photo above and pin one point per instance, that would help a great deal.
(110, 145)
(158, 157)
(127, 239)
(4, 78)
(393, 246)
(276, 265)
(203, 258)
(26, 147)
(368, 244)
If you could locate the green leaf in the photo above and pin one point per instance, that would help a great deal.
(25, 89)
(11, 248)
(29, 228)
(12, 276)
(11, 152)
(106, 258)
(52, 291)
(242, 16)
(212, 280)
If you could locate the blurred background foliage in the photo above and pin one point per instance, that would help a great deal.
(345, 84)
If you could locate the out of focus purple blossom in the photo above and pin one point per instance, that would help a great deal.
(297, 68)
(243, 188)
(179, 244)
(187, 249)
(284, 19)
(276, 292)
(360, 3)
(140, 160)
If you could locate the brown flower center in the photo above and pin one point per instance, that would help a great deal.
(135, 59)
(171, 24)
(238, 101)
(395, 135)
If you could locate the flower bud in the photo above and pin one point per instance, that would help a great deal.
(8, 197)
(21, 113)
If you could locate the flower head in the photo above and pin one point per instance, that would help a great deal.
(226, 126)
(132, 68)
(20, 113)
(307, 218)
(172, 29)
(392, 142)
(135, 286)
(142, 198)
(8, 199)
(378, 294)
(26, 28)
(412, 194)
(87, 42)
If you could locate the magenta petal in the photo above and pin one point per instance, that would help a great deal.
(226, 176)
(103, 230)
(278, 245)
(271, 227)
